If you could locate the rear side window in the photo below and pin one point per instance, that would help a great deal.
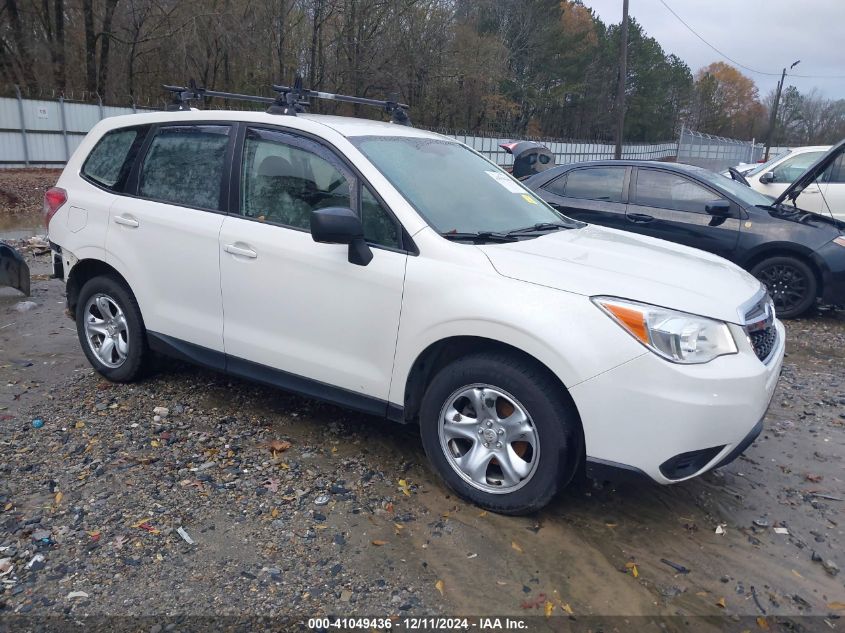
(596, 183)
(185, 165)
(836, 172)
(109, 163)
(671, 191)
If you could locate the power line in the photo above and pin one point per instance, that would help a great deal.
(733, 61)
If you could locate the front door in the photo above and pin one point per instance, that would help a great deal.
(670, 206)
(297, 313)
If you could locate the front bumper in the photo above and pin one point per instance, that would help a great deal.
(830, 260)
(672, 422)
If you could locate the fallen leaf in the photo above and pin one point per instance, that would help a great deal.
(633, 568)
(58, 498)
(611, 525)
(813, 478)
(483, 513)
(516, 546)
(80, 425)
(378, 543)
(404, 487)
(279, 446)
(141, 522)
(389, 507)
(836, 606)
(155, 443)
(399, 526)
(721, 603)
(762, 623)
(797, 574)
(439, 586)
(95, 535)
(548, 608)
(8, 507)
(274, 513)
(565, 606)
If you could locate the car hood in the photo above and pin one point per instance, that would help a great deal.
(598, 261)
(813, 171)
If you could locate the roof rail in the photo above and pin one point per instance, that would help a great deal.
(290, 100)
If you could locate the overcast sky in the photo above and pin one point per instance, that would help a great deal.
(765, 35)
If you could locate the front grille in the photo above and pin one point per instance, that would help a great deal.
(760, 327)
(763, 342)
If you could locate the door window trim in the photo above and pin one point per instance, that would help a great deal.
(131, 189)
(407, 245)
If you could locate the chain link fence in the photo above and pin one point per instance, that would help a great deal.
(715, 152)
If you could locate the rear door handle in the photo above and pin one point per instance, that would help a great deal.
(640, 218)
(123, 221)
(239, 250)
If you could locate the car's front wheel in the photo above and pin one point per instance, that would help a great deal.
(790, 282)
(111, 330)
(500, 432)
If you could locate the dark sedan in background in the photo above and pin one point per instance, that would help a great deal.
(799, 256)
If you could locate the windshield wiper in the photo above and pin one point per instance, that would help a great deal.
(480, 236)
(541, 227)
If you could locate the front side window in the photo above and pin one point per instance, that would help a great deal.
(185, 165)
(596, 183)
(454, 189)
(665, 190)
(285, 178)
(789, 170)
(836, 172)
(110, 162)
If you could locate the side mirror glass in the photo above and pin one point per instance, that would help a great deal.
(767, 177)
(340, 225)
(718, 208)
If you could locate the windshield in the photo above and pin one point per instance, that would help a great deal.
(743, 193)
(454, 189)
(759, 169)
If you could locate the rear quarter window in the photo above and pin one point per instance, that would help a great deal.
(109, 163)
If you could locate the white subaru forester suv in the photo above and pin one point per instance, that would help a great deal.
(399, 273)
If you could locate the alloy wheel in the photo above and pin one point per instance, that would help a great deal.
(106, 330)
(489, 439)
(786, 284)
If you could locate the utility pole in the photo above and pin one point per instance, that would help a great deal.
(620, 88)
(773, 117)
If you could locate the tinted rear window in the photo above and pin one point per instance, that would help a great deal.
(596, 183)
(110, 162)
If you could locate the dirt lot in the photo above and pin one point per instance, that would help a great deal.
(349, 519)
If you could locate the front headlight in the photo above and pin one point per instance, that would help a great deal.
(676, 336)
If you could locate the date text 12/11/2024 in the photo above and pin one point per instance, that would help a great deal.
(418, 624)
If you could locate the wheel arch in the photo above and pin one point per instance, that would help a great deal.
(445, 350)
(84, 270)
(785, 249)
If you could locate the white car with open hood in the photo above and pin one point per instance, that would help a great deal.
(399, 273)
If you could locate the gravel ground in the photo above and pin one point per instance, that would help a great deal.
(22, 190)
(298, 509)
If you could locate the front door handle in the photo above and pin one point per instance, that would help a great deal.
(123, 221)
(239, 250)
(640, 218)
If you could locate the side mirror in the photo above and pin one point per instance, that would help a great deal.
(339, 225)
(767, 177)
(718, 208)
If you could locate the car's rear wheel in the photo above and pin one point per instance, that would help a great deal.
(790, 282)
(111, 330)
(500, 432)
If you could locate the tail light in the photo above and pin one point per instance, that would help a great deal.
(54, 198)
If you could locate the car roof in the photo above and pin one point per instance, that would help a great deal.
(346, 126)
(680, 167)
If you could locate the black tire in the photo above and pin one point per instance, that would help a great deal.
(540, 395)
(790, 282)
(138, 354)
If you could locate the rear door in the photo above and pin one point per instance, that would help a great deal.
(670, 206)
(164, 237)
(591, 194)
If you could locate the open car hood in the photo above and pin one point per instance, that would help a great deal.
(813, 172)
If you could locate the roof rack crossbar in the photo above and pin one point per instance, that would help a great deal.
(183, 94)
(299, 96)
(290, 99)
